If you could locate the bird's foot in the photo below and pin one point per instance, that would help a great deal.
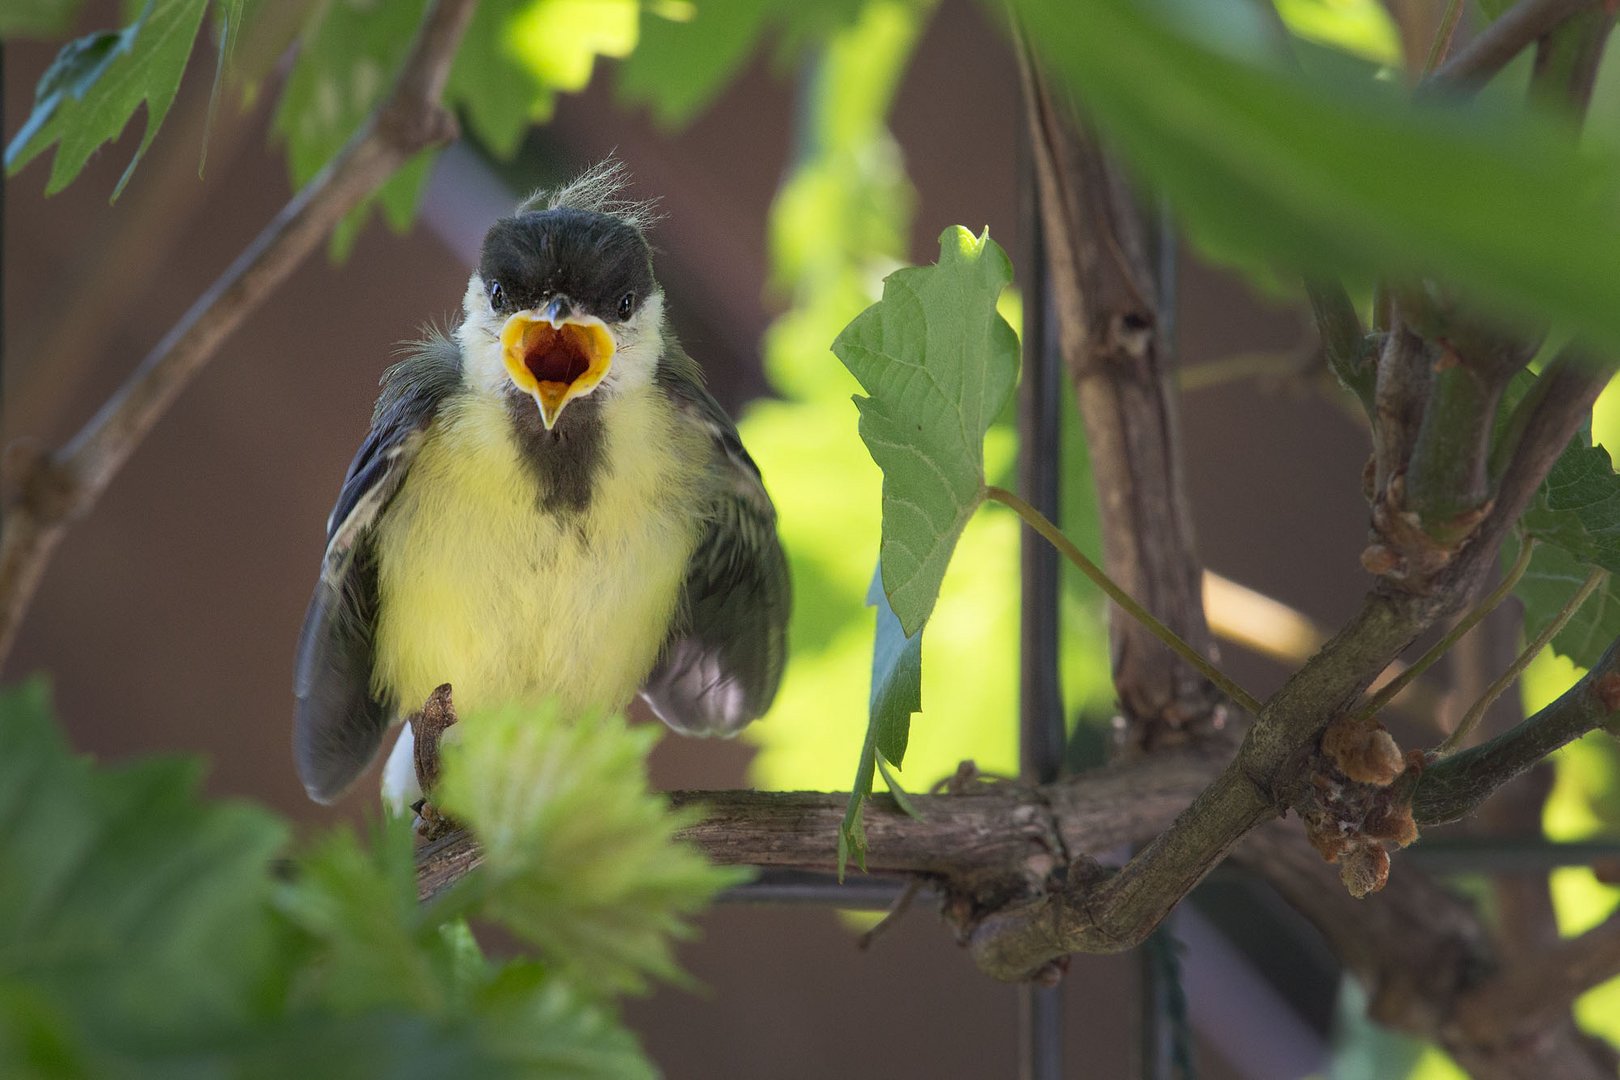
(427, 728)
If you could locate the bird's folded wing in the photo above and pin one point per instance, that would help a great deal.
(723, 660)
(338, 721)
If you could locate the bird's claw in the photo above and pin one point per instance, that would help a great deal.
(427, 728)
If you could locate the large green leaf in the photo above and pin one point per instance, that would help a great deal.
(119, 881)
(938, 363)
(144, 934)
(92, 89)
(1322, 175)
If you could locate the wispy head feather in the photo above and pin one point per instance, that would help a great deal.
(599, 189)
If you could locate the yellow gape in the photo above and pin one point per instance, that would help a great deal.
(555, 362)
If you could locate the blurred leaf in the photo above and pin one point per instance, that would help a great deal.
(119, 881)
(93, 87)
(1250, 156)
(1362, 27)
(143, 935)
(579, 857)
(348, 57)
(518, 54)
(37, 18)
(691, 51)
(938, 362)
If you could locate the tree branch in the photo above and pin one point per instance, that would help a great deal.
(1523, 1001)
(1455, 786)
(47, 492)
(1513, 31)
(1350, 352)
(1110, 333)
(986, 844)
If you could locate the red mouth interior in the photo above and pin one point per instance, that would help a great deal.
(555, 354)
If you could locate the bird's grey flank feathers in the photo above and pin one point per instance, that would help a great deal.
(723, 660)
(337, 722)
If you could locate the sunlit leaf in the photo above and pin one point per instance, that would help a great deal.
(579, 857)
(518, 54)
(1362, 27)
(93, 88)
(938, 363)
(690, 52)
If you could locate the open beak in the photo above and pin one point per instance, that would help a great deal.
(555, 357)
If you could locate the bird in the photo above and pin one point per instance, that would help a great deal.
(549, 504)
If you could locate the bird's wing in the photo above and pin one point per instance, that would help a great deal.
(720, 666)
(338, 722)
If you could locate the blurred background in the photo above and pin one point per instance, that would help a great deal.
(166, 622)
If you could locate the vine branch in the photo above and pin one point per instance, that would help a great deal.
(1514, 31)
(47, 492)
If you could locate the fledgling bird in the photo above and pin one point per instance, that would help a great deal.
(549, 503)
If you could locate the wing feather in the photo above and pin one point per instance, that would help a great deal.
(338, 721)
(722, 662)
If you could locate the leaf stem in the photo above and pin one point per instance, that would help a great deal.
(1443, 35)
(1456, 634)
(1039, 522)
(1475, 711)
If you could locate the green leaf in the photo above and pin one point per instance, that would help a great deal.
(119, 881)
(92, 89)
(1578, 506)
(1549, 581)
(348, 57)
(37, 18)
(1361, 27)
(689, 52)
(896, 695)
(518, 54)
(896, 677)
(939, 363)
(143, 935)
(579, 858)
(1251, 156)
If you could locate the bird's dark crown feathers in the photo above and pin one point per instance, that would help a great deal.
(582, 241)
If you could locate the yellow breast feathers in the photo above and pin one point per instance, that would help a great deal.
(479, 588)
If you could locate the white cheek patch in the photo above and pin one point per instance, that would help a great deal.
(479, 336)
(640, 344)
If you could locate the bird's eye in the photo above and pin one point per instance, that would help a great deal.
(497, 295)
(627, 303)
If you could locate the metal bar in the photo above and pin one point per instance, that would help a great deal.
(1460, 856)
(1155, 1032)
(1040, 702)
(858, 892)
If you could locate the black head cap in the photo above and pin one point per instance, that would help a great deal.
(582, 243)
